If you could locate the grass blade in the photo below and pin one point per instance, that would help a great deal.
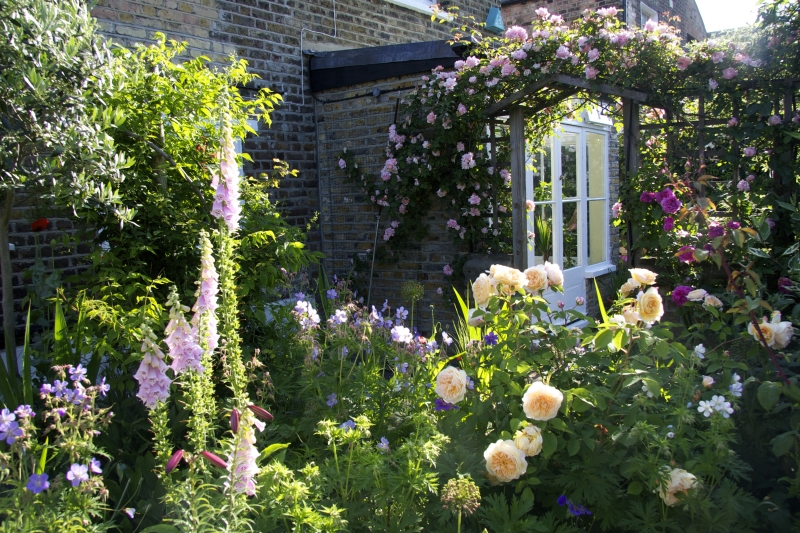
(27, 386)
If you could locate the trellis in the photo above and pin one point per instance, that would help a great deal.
(553, 89)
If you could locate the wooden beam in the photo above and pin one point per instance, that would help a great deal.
(683, 124)
(509, 100)
(601, 87)
(518, 213)
(630, 146)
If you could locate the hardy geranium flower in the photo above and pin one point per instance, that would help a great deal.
(38, 483)
(78, 474)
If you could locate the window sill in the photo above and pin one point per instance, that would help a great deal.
(598, 270)
(421, 6)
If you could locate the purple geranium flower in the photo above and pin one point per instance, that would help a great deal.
(103, 387)
(77, 373)
(442, 405)
(348, 426)
(10, 432)
(383, 445)
(679, 295)
(332, 400)
(78, 474)
(490, 338)
(94, 466)
(734, 225)
(38, 483)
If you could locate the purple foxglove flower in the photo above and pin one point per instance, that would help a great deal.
(174, 461)
(234, 421)
(214, 459)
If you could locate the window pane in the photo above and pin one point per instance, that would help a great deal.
(542, 173)
(596, 161)
(542, 233)
(569, 165)
(570, 234)
(596, 231)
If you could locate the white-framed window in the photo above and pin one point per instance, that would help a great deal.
(647, 13)
(568, 181)
(422, 6)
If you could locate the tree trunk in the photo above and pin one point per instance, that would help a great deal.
(9, 316)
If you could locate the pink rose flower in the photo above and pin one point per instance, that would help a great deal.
(749, 151)
(431, 117)
(684, 62)
(591, 73)
(729, 73)
(448, 270)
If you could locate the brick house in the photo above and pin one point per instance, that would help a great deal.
(289, 43)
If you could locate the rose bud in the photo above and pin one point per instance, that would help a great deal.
(174, 461)
(235, 421)
(214, 459)
(260, 412)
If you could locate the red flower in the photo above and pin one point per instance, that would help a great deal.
(40, 224)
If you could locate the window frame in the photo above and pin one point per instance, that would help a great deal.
(651, 13)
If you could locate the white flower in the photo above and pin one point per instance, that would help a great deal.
(630, 315)
(472, 320)
(402, 335)
(537, 278)
(629, 286)
(529, 440)
(679, 481)
(643, 276)
(735, 387)
(647, 391)
(767, 330)
(541, 402)
(712, 301)
(706, 408)
(554, 273)
(650, 306)
(482, 290)
(510, 279)
(451, 384)
(783, 331)
(708, 381)
(700, 351)
(696, 295)
(717, 402)
(504, 461)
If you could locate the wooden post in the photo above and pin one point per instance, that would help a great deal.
(518, 213)
(630, 146)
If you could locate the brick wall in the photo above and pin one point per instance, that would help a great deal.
(355, 119)
(269, 34)
(68, 259)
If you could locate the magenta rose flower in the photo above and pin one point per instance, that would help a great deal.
(663, 195)
(671, 205)
(715, 230)
(679, 295)
(669, 224)
(647, 197)
(686, 254)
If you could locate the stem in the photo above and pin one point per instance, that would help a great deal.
(459, 521)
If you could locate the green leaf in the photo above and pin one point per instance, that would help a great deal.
(574, 446)
(600, 303)
(652, 386)
(272, 448)
(635, 488)
(515, 422)
(792, 392)
(758, 253)
(27, 386)
(43, 458)
(782, 444)
(549, 444)
(792, 249)
(768, 395)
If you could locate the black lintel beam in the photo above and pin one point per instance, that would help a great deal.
(344, 68)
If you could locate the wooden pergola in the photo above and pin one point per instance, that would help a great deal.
(537, 96)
